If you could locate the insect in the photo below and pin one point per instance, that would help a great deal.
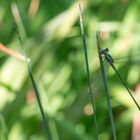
(105, 55)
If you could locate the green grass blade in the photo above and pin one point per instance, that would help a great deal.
(106, 89)
(88, 73)
(38, 98)
(119, 76)
(48, 132)
(39, 103)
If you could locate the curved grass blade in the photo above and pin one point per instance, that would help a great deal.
(88, 73)
(48, 132)
(106, 88)
(119, 76)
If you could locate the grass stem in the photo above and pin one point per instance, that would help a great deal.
(88, 73)
(48, 132)
(106, 89)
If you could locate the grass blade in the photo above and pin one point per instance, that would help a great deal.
(106, 89)
(119, 76)
(39, 103)
(49, 136)
(88, 73)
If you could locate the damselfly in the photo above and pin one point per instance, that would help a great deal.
(104, 54)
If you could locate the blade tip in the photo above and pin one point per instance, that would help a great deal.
(80, 11)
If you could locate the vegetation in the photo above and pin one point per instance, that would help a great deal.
(48, 33)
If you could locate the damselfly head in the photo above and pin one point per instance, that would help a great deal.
(104, 51)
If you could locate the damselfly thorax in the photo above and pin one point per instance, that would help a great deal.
(105, 55)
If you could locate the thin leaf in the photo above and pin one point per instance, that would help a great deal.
(119, 76)
(39, 103)
(106, 89)
(34, 84)
(88, 73)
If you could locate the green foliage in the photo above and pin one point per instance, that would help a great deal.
(51, 36)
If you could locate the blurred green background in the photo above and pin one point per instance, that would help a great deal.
(51, 37)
